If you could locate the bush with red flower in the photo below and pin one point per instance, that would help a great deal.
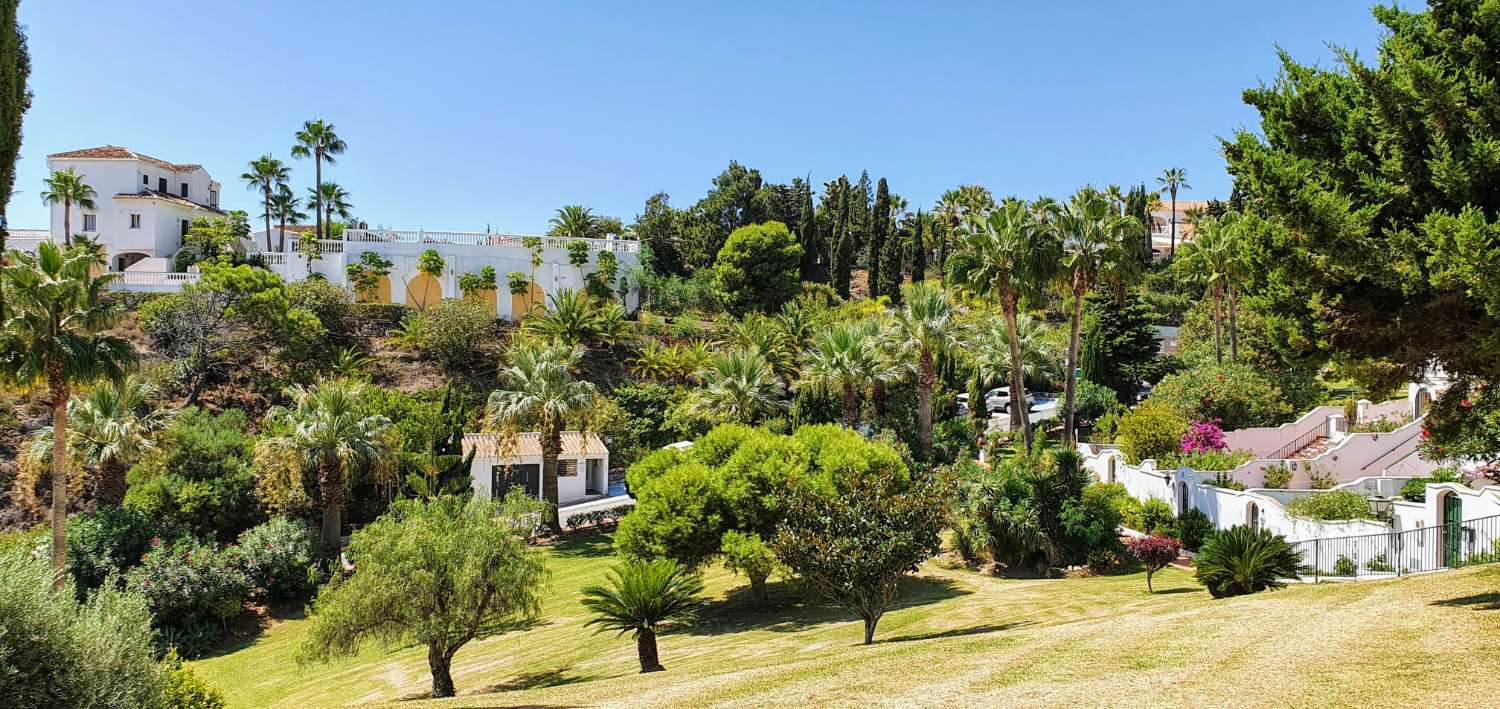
(1463, 423)
(192, 588)
(280, 556)
(1204, 437)
(1154, 552)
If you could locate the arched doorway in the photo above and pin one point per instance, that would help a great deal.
(126, 260)
(1252, 515)
(1182, 490)
(1450, 508)
(1424, 399)
(381, 293)
(520, 305)
(422, 291)
(1111, 470)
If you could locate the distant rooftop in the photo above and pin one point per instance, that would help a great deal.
(115, 152)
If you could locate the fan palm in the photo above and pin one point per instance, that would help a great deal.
(762, 335)
(956, 207)
(537, 389)
(265, 174)
(574, 221)
(740, 386)
(927, 327)
(53, 336)
(990, 346)
(1096, 245)
(572, 318)
(1214, 260)
(638, 598)
(841, 361)
(109, 429)
(796, 323)
(1008, 256)
(655, 361)
(286, 208)
(1173, 179)
(318, 141)
(330, 434)
(335, 200)
(67, 187)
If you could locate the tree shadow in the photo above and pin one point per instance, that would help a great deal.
(1478, 602)
(795, 607)
(538, 680)
(960, 632)
(247, 627)
(1181, 589)
(584, 546)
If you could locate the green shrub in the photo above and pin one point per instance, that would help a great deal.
(183, 689)
(452, 331)
(757, 268)
(1103, 560)
(192, 589)
(1278, 477)
(108, 541)
(1415, 490)
(1205, 461)
(1193, 529)
(1331, 506)
(1152, 516)
(1236, 395)
(200, 482)
(1379, 564)
(1090, 523)
(1093, 401)
(56, 651)
(1322, 479)
(1241, 560)
(280, 557)
(1345, 566)
(1152, 430)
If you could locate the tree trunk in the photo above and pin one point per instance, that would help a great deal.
(1218, 327)
(1019, 414)
(268, 216)
(59, 388)
(1234, 337)
(110, 486)
(926, 378)
(551, 448)
(1071, 379)
(67, 222)
(281, 236)
(870, 621)
(1149, 572)
(317, 196)
(331, 489)
(758, 595)
(1173, 253)
(645, 647)
(851, 406)
(441, 665)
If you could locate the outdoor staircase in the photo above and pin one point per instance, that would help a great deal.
(1314, 448)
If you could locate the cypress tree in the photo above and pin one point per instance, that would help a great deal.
(842, 259)
(1138, 205)
(15, 98)
(807, 233)
(919, 247)
(859, 213)
(1091, 359)
(880, 227)
(893, 263)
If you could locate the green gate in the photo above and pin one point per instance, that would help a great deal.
(1452, 530)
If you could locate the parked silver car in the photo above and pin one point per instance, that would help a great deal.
(996, 400)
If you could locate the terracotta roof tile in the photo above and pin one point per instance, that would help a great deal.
(529, 445)
(167, 197)
(115, 152)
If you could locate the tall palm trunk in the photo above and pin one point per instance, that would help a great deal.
(440, 664)
(1018, 414)
(851, 405)
(645, 649)
(1234, 337)
(59, 388)
(67, 222)
(110, 486)
(1173, 253)
(926, 378)
(551, 449)
(268, 215)
(318, 192)
(1080, 287)
(1218, 296)
(281, 235)
(331, 489)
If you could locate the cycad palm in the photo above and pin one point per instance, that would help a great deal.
(926, 324)
(330, 434)
(110, 428)
(537, 389)
(572, 318)
(638, 598)
(67, 187)
(740, 386)
(318, 141)
(1096, 246)
(764, 336)
(53, 337)
(1009, 256)
(575, 221)
(265, 174)
(841, 361)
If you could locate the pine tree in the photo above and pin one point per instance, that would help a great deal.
(15, 98)
(807, 234)
(1138, 205)
(880, 227)
(918, 247)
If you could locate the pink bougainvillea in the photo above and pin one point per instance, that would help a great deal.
(1204, 437)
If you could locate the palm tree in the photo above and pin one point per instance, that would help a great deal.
(331, 434)
(54, 337)
(68, 188)
(335, 200)
(575, 221)
(109, 429)
(765, 336)
(572, 318)
(841, 361)
(1010, 256)
(1213, 260)
(927, 326)
(537, 389)
(1096, 243)
(954, 208)
(990, 346)
(640, 597)
(740, 386)
(318, 141)
(265, 174)
(286, 207)
(1173, 179)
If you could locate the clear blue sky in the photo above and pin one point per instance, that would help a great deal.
(462, 114)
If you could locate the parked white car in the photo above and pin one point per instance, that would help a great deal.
(995, 401)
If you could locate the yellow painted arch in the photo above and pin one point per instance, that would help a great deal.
(422, 291)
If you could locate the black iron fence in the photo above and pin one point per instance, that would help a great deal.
(1443, 546)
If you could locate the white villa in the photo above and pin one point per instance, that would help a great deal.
(502, 462)
(144, 206)
(1161, 224)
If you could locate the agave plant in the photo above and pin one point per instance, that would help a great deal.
(1242, 560)
(639, 597)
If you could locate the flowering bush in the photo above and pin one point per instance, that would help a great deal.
(1154, 552)
(1204, 437)
(191, 589)
(280, 558)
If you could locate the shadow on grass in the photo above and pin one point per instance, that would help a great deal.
(794, 607)
(959, 632)
(538, 680)
(1181, 589)
(584, 546)
(247, 627)
(1478, 602)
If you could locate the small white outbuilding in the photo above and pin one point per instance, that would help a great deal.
(502, 461)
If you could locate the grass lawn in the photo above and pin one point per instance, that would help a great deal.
(957, 638)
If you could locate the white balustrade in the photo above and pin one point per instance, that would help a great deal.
(470, 238)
